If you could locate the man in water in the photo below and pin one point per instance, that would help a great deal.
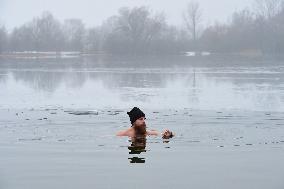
(138, 127)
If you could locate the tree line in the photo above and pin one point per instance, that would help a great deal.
(138, 30)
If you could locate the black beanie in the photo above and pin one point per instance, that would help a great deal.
(135, 114)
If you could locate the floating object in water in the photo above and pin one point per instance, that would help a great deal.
(189, 53)
(113, 113)
(205, 53)
(29, 139)
(89, 112)
(48, 109)
(193, 141)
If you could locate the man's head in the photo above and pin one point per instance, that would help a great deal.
(137, 119)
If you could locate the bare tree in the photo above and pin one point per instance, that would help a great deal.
(94, 40)
(74, 31)
(21, 39)
(140, 25)
(47, 33)
(269, 27)
(192, 18)
(133, 30)
(3, 39)
(268, 8)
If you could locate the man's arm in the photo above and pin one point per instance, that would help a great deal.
(153, 132)
(166, 134)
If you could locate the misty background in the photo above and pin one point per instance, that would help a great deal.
(251, 28)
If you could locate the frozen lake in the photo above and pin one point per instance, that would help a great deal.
(59, 117)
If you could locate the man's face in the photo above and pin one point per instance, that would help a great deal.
(140, 125)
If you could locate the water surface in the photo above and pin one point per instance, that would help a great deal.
(59, 117)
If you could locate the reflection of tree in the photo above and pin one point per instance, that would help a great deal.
(49, 81)
(37, 80)
(46, 74)
(138, 145)
(49, 75)
(3, 76)
(137, 160)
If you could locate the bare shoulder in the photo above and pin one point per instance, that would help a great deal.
(127, 132)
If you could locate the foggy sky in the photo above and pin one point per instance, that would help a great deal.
(93, 12)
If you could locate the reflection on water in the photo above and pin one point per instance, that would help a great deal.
(137, 146)
(83, 84)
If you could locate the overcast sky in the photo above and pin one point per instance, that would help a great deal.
(93, 12)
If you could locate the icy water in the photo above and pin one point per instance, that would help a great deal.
(59, 118)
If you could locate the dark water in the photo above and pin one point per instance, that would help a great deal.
(59, 117)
